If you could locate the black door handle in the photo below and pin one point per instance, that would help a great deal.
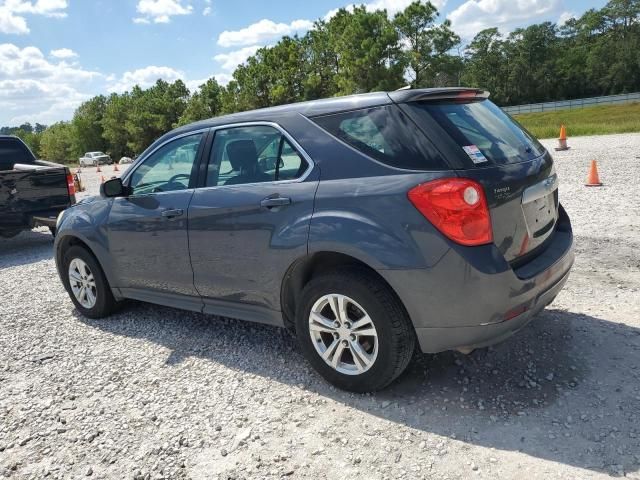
(271, 202)
(172, 213)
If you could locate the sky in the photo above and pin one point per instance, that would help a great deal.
(54, 54)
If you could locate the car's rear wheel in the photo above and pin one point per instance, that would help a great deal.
(353, 330)
(86, 283)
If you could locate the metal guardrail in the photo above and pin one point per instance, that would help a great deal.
(573, 104)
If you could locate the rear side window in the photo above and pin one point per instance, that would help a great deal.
(13, 151)
(385, 134)
(482, 130)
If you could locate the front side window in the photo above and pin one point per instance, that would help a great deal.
(255, 154)
(168, 168)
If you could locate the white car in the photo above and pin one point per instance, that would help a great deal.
(125, 161)
(93, 159)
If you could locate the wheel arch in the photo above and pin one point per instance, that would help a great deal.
(309, 266)
(68, 241)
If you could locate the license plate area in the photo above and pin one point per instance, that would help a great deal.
(540, 207)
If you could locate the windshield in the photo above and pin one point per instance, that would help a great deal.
(483, 131)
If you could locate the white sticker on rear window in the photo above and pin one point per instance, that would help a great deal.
(475, 154)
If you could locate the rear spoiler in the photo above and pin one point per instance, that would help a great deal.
(434, 94)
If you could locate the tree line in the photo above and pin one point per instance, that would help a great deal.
(358, 51)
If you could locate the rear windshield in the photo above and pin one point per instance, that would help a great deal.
(385, 134)
(483, 131)
(13, 151)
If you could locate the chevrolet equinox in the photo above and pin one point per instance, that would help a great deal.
(367, 224)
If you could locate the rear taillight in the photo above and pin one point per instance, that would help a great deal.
(71, 188)
(457, 207)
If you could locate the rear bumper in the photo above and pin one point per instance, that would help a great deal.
(436, 339)
(473, 298)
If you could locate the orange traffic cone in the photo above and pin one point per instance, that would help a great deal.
(101, 178)
(98, 168)
(562, 141)
(115, 167)
(593, 180)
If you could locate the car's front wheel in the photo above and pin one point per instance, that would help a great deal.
(353, 330)
(86, 283)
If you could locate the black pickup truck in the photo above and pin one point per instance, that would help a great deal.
(32, 192)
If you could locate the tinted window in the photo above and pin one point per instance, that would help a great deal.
(385, 134)
(252, 155)
(167, 169)
(483, 131)
(13, 151)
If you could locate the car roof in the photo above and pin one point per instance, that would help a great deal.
(328, 106)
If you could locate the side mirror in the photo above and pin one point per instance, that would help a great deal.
(114, 188)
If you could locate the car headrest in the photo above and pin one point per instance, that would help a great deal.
(242, 154)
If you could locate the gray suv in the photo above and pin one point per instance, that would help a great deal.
(366, 224)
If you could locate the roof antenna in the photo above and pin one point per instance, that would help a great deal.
(406, 87)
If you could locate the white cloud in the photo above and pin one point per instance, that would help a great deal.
(63, 53)
(144, 78)
(266, 30)
(475, 15)
(261, 32)
(161, 11)
(395, 6)
(223, 78)
(230, 60)
(391, 6)
(51, 8)
(12, 20)
(34, 89)
(10, 23)
(207, 9)
(148, 76)
(565, 17)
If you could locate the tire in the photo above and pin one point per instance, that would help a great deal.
(363, 294)
(104, 303)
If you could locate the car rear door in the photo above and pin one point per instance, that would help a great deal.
(486, 145)
(147, 230)
(250, 220)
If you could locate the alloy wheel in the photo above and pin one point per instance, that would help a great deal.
(343, 334)
(82, 282)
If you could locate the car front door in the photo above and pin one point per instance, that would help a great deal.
(147, 230)
(250, 221)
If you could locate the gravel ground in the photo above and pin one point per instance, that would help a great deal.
(159, 393)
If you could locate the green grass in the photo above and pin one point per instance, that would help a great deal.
(600, 120)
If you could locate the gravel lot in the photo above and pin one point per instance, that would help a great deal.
(159, 393)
